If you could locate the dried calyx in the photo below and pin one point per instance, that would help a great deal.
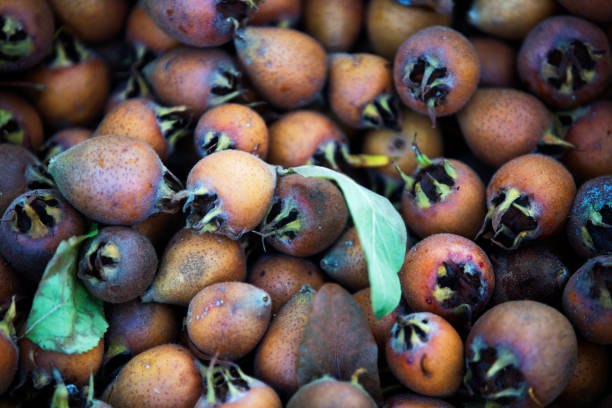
(67, 51)
(225, 383)
(335, 155)
(460, 287)
(225, 85)
(494, 374)
(214, 141)
(171, 122)
(36, 215)
(410, 333)
(511, 219)
(237, 10)
(6, 325)
(382, 112)
(428, 81)
(433, 182)
(570, 65)
(101, 260)
(168, 196)
(10, 130)
(596, 230)
(15, 42)
(204, 210)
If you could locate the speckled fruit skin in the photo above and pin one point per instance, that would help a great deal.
(500, 124)
(295, 137)
(334, 23)
(62, 141)
(461, 212)
(591, 135)
(14, 162)
(328, 392)
(286, 66)
(345, 261)
(228, 319)
(381, 328)
(74, 368)
(36, 18)
(243, 183)
(355, 80)
(91, 20)
(282, 276)
(140, 29)
(199, 23)
(242, 125)
(431, 366)
(26, 117)
(540, 337)
(597, 10)
(88, 175)
(454, 52)
(497, 61)
(415, 401)
(191, 262)
(586, 300)
(545, 37)
(551, 192)
(419, 273)
(511, 19)
(276, 360)
(389, 23)
(164, 376)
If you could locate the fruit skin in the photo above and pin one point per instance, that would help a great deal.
(286, 66)
(500, 124)
(296, 136)
(117, 265)
(228, 319)
(282, 276)
(511, 19)
(587, 300)
(415, 401)
(192, 77)
(191, 262)
(329, 393)
(247, 392)
(9, 353)
(545, 183)
(455, 65)
(424, 278)
(589, 224)
(283, 13)
(164, 376)
(381, 328)
(497, 62)
(591, 134)
(36, 20)
(10, 283)
(535, 349)
(334, 23)
(235, 127)
(116, 180)
(14, 164)
(597, 10)
(200, 23)
(425, 353)
(239, 185)
(345, 261)
(276, 360)
(316, 211)
(389, 23)
(140, 29)
(30, 129)
(74, 368)
(34, 225)
(545, 50)
(92, 20)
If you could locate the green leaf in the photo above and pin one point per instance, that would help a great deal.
(65, 317)
(382, 233)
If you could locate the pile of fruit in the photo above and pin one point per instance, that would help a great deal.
(305, 203)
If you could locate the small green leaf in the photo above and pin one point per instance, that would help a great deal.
(65, 317)
(382, 233)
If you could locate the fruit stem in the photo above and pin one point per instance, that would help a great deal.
(6, 325)
(409, 181)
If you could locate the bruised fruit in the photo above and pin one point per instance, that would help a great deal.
(276, 360)
(335, 23)
(118, 264)
(589, 226)
(228, 192)
(528, 198)
(307, 215)
(231, 126)
(228, 319)
(26, 33)
(565, 61)
(74, 368)
(361, 91)
(9, 353)
(587, 300)
(425, 353)
(200, 23)
(33, 226)
(282, 276)
(520, 354)
(164, 376)
(286, 66)
(448, 275)
(115, 180)
(20, 124)
(191, 262)
(436, 71)
(327, 392)
(346, 263)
